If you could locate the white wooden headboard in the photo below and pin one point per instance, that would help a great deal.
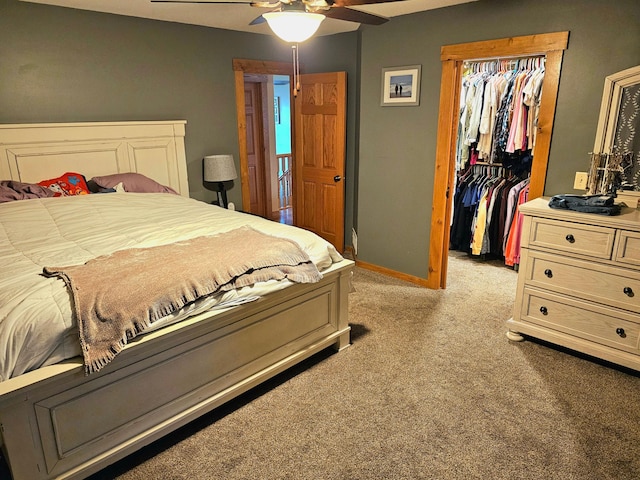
(34, 152)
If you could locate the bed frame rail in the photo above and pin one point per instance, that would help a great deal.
(58, 423)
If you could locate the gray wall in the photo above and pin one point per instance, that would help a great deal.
(398, 144)
(65, 65)
(59, 64)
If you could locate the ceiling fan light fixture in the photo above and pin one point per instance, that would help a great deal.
(294, 27)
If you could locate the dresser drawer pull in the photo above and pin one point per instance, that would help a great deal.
(570, 238)
(549, 274)
(628, 291)
(544, 310)
(621, 332)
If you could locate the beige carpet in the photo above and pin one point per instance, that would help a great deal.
(430, 388)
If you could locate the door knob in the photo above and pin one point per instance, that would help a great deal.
(337, 178)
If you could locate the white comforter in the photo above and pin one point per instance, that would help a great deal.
(37, 327)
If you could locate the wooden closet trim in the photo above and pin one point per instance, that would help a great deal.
(552, 46)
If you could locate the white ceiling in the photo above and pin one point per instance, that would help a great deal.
(237, 17)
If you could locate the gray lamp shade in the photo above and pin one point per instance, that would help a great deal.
(219, 168)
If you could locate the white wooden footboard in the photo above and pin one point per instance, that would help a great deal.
(58, 423)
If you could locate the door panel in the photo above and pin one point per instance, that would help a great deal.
(329, 196)
(306, 218)
(320, 121)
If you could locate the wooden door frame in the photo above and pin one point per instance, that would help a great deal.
(240, 68)
(552, 45)
(261, 126)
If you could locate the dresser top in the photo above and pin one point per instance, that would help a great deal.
(629, 218)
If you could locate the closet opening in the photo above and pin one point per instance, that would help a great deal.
(499, 107)
(529, 51)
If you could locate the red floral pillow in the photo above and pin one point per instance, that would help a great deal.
(66, 185)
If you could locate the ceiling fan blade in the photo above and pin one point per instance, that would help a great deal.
(266, 4)
(222, 2)
(337, 12)
(253, 3)
(355, 3)
(314, 5)
(350, 15)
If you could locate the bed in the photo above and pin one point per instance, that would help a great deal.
(60, 419)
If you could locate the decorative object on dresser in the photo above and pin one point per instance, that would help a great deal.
(220, 169)
(610, 172)
(615, 161)
(579, 282)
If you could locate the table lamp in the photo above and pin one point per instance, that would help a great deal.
(220, 169)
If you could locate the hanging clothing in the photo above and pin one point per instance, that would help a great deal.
(493, 93)
(499, 107)
(531, 98)
(481, 208)
(512, 250)
(512, 203)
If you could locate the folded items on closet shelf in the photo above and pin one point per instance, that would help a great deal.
(601, 204)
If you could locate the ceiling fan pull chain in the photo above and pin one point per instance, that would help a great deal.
(297, 67)
(296, 70)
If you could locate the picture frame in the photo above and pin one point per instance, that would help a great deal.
(401, 86)
(276, 109)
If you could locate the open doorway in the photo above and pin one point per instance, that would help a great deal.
(265, 138)
(550, 45)
(283, 178)
(268, 145)
(318, 143)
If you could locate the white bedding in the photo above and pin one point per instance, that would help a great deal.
(36, 324)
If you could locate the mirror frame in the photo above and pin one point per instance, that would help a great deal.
(610, 107)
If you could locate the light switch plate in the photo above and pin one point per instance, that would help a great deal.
(580, 182)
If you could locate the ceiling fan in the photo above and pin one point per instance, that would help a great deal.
(295, 21)
(337, 9)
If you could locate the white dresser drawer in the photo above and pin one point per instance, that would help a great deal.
(582, 319)
(571, 237)
(604, 284)
(628, 248)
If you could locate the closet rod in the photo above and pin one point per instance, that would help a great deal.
(487, 164)
(511, 63)
(512, 57)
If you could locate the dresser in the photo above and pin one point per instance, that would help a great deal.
(579, 282)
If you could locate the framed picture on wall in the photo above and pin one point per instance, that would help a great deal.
(276, 109)
(401, 86)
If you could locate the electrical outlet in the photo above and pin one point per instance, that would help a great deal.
(580, 182)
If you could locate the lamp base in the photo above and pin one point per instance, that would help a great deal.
(222, 195)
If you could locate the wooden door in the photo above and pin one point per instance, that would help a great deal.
(320, 132)
(255, 148)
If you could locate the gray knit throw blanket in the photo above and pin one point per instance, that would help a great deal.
(117, 297)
